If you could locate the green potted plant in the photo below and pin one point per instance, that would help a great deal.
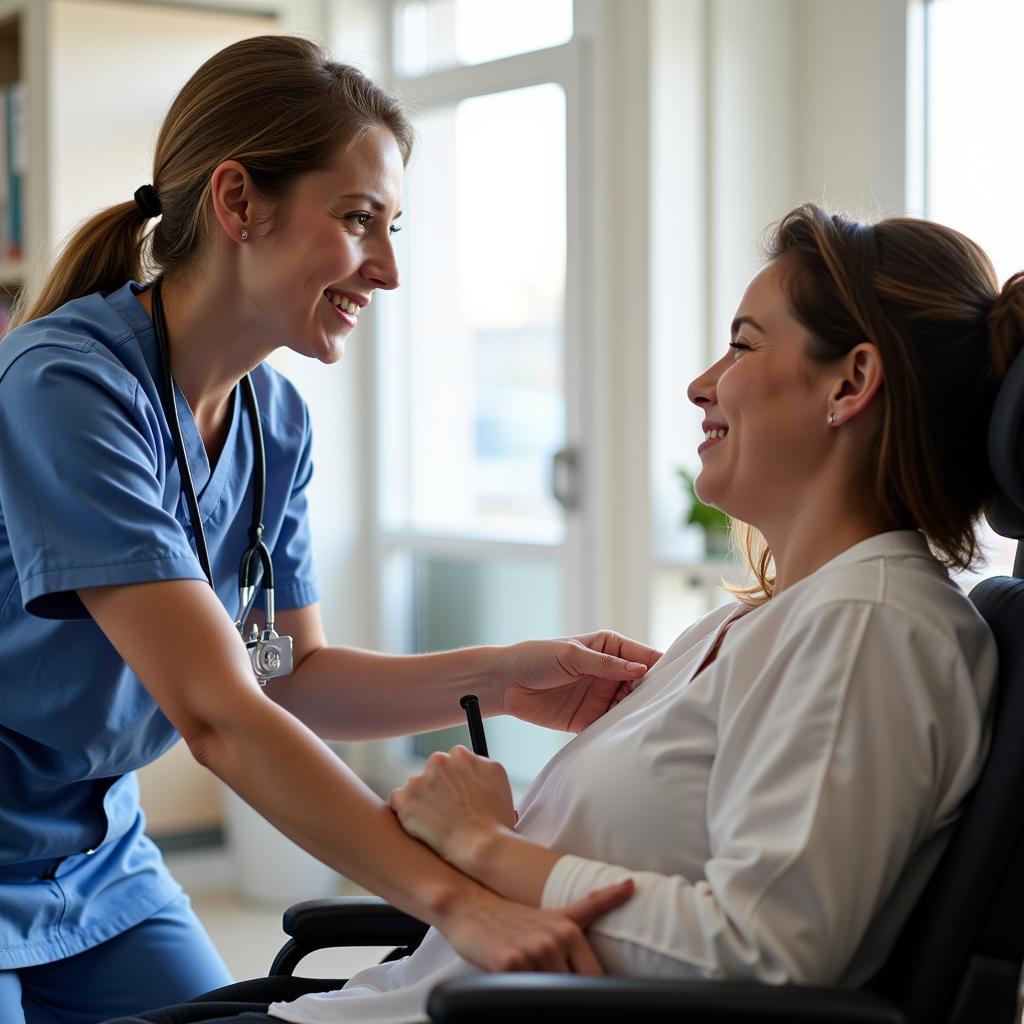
(712, 521)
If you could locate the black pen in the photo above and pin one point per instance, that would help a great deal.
(471, 705)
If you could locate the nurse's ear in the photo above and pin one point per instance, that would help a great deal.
(235, 201)
(855, 380)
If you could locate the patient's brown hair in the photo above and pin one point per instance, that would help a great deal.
(929, 299)
(274, 103)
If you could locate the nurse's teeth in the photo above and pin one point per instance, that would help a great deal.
(341, 302)
(709, 434)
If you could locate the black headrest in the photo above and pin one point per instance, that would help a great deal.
(1006, 453)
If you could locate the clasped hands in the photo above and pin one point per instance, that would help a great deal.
(461, 806)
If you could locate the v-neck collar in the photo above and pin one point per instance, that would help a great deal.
(208, 481)
(713, 641)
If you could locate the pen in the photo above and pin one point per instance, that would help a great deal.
(471, 705)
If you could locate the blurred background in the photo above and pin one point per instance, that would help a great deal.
(498, 456)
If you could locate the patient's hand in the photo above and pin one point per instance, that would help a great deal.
(457, 805)
(455, 802)
(461, 806)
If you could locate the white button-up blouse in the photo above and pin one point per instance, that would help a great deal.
(781, 810)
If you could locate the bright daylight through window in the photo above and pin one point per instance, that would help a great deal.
(974, 150)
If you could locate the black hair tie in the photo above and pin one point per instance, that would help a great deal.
(147, 202)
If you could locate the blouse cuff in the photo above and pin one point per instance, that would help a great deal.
(574, 877)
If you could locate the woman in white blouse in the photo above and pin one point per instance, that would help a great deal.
(780, 786)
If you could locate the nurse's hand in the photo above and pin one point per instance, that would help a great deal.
(456, 802)
(568, 684)
(501, 935)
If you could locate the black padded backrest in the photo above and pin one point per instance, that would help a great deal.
(959, 955)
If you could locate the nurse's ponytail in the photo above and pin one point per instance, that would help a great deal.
(102, 254)
(277, 105)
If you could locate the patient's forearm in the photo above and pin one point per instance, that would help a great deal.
(507, 863)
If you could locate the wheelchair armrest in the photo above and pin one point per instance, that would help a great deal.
(352, 922)
(316, 924)
(544, 998)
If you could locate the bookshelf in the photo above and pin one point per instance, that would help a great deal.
(97, 77)
(18, 25)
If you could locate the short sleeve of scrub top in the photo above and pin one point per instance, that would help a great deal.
(90, 496)
(80, 480)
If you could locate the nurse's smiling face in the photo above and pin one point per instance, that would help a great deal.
(312, 271)
(766, 403)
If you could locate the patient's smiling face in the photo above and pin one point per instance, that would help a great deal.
(771, 401)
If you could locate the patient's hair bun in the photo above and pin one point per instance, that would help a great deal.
(1006, 323)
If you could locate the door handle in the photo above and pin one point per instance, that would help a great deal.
(565, 478)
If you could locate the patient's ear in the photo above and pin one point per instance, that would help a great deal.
(858, 379)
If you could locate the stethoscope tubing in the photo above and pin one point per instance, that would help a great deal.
(247, 584)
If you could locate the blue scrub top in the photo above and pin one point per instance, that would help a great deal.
(90, 495)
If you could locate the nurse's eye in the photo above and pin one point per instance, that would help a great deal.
(738, 346)
(394, 229)
(360, 219)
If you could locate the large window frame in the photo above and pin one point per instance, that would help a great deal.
(567, 65)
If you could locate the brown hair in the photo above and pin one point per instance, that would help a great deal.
(276, 104)
(929, 299)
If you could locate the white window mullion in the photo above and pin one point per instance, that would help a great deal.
(519, 72)
(468, 545)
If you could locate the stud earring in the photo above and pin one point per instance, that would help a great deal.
(832, 418)
(244, 233)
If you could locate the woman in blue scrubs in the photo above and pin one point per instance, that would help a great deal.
(276, 188)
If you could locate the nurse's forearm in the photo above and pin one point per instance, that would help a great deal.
(345, 693)
(274, 763)
(207, 690)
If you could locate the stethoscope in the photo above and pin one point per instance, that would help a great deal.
(270, 654)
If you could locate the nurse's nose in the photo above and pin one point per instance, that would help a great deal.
(380, 268)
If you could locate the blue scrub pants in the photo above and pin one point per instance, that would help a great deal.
(165, 959)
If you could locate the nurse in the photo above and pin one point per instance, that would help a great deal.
(276, 189)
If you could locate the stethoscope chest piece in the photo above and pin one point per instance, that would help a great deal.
(270, 654)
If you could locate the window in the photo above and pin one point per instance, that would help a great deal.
(477, 534)
(973, 149)
(432, 35)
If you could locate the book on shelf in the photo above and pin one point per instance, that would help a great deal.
(6, 308)
(12, 171)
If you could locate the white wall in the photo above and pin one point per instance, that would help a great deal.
(114, 70)
(850, 101)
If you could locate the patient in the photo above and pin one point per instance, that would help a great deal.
(781, 785)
